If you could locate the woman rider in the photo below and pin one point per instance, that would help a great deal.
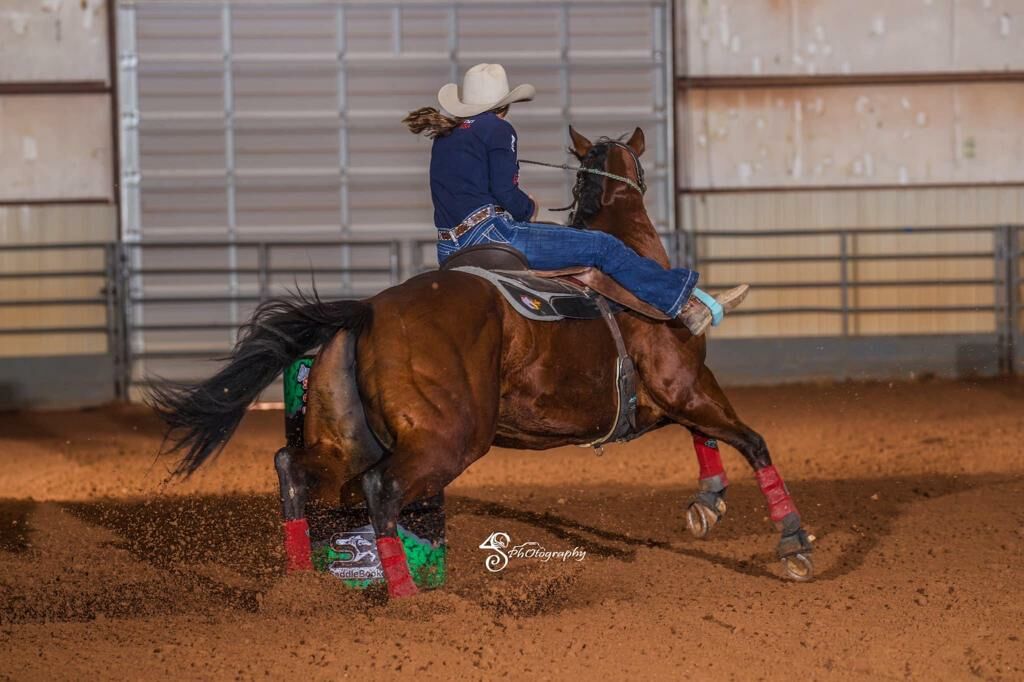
(474, 183)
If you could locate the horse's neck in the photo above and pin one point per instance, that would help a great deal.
(626, 218)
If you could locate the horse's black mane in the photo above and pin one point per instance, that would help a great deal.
(589, 187)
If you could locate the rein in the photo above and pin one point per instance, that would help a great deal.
(583, 169)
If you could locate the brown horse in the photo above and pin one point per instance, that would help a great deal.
(413, 385)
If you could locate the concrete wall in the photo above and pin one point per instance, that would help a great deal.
(56, 147)
(56, 187)
(843, 37)
(53, 41)
(854, 135)
(799, 114)
(831, 358)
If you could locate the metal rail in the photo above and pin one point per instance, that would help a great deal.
(25, 279)
(120, 281)
(687, 249)
(124, 283)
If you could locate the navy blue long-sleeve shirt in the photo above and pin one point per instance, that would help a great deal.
(475, 165)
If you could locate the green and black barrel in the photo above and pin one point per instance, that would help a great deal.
(342, 539)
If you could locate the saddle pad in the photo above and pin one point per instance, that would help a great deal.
(537, 298)
(548, 300)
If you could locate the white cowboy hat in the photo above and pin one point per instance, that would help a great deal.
(484, 87)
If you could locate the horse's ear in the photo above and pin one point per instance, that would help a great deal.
(636, 142)
(580, 144)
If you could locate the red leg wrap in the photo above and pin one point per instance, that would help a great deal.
(296, 546)
(709, 457)
(779, 502)
(396, 568)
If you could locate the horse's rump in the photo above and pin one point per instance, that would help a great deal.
(445, 345)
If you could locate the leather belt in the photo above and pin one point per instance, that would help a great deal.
(471, 221)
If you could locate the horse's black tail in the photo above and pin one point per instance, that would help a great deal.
(202, 418)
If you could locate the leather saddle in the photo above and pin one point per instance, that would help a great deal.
(547, 294)
(579, 293)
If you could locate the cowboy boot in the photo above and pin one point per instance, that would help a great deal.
(702, 309)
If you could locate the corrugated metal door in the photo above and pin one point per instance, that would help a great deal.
(280, 120)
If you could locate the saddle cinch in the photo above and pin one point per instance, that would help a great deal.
(579, 293)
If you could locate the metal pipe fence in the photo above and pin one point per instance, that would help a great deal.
(176, 301)
(153, 301)
(1006, 281)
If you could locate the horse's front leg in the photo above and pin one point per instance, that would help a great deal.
(703, 407)
(707, 507)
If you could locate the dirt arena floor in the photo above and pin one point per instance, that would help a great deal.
(915, 492)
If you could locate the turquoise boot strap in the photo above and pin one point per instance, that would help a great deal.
(717, 313)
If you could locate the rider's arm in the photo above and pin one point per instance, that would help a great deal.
(504, 173)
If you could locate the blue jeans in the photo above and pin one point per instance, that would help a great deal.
(550, 247)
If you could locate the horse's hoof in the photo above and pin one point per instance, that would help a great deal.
(798, 567)
(700, 519)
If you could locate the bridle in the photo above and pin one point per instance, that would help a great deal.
(639, 185)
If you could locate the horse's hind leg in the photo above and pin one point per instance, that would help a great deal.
(307, 484)
(384, 494)
(705, 409)
(336, 447)
(431, 449)
(407, 475)
(294, 480)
